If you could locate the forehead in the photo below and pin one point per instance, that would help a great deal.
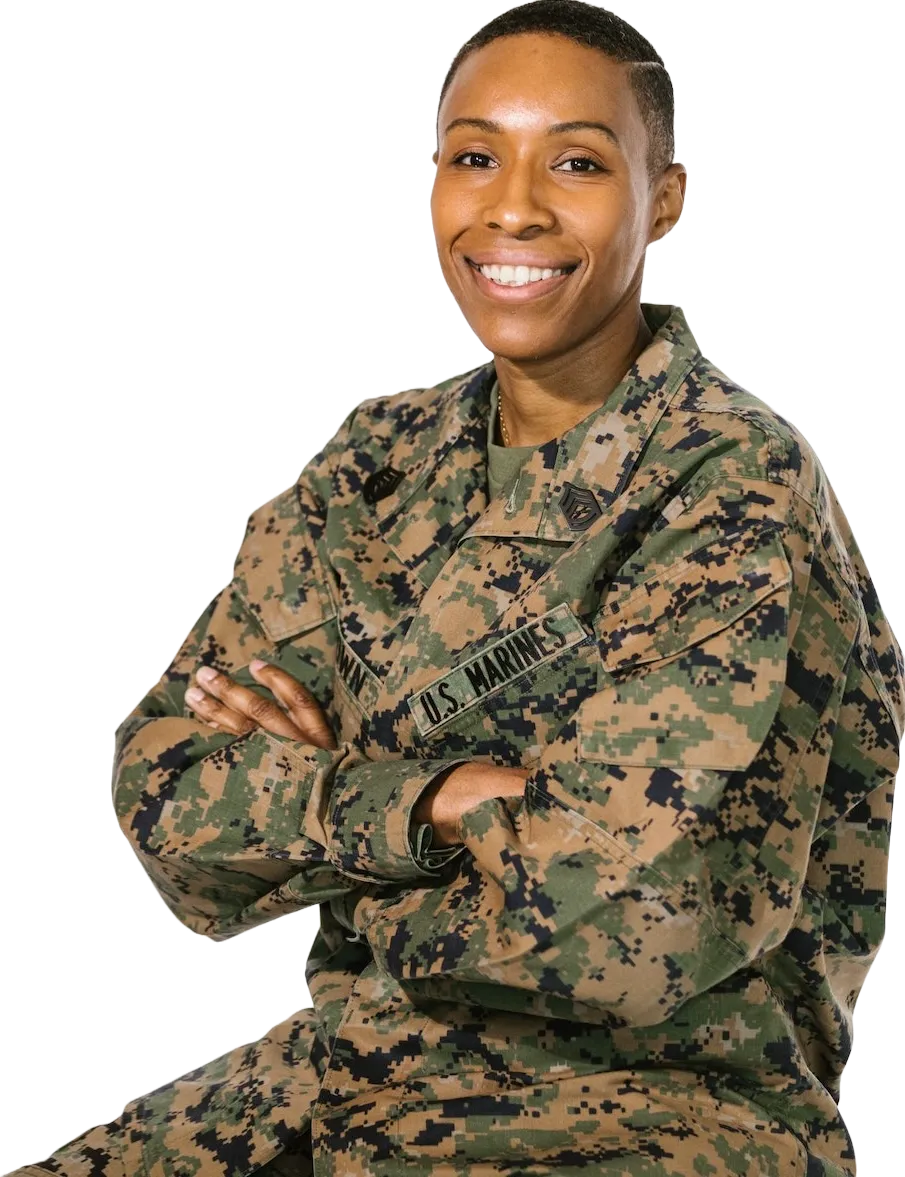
(540, 79)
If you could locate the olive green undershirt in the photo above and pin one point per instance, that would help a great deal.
(503, 461)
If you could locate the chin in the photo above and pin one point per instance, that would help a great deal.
(510, 345)
(525, 355)
(519, 346)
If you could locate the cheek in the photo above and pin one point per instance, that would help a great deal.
(446, 211)
(612, 241)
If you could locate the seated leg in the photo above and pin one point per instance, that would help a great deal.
(240, 1113)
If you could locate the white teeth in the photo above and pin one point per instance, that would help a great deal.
(517, 275)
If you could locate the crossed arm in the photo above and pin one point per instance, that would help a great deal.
(295, 713)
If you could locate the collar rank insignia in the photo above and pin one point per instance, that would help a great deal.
(579, 506)
(381, 483)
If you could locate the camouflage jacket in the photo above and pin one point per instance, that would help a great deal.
(648, 963)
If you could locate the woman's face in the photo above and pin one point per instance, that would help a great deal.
(521, 182)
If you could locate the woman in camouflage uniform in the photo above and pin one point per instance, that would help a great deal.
(562, 688)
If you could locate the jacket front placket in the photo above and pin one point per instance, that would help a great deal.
(519, 557)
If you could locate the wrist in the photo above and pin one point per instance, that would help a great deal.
(462, 788)
(491, 780)
(425, 809)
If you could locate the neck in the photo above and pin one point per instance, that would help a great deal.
(542, 399)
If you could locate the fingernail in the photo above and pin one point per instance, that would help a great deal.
(256, 664)
(206, 674)
(193, 695)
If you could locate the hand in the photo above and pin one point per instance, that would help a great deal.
(467, 785)
(227, 706)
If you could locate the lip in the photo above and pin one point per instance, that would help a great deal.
(527, 293)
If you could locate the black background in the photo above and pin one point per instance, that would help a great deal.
(266, 266)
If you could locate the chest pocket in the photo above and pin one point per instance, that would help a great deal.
(693, 660)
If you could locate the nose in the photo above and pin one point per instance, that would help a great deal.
(515, 201)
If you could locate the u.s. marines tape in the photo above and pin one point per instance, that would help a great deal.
(496, 666)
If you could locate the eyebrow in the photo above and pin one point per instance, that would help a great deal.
(493, 128)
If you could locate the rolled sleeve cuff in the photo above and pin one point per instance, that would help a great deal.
(431, 861)
(361, 812)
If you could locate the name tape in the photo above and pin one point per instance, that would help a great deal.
(361, 682)
(495, 667)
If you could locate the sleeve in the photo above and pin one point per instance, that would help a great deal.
(421, 836)
(665, 835)
(427, 858)
(361, 811)
(220, 822)
(215, 818)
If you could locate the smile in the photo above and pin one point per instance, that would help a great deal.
(516, 275)
(530, 281)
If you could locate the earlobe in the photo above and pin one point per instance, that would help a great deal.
(662, 223)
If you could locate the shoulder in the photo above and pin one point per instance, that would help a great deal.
(733, 457)
(728, 432)
(373, 427)
(414, 410)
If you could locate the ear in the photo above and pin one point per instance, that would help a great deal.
(436, 155)
(668, 200)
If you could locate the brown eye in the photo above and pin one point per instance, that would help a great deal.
(476, 155)
(583, 159)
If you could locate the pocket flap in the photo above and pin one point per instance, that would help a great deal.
(691, 599)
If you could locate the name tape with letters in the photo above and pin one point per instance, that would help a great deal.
(496, 666)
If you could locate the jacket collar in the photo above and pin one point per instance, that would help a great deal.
(441, 500)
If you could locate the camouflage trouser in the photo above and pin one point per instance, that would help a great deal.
(247, 1111)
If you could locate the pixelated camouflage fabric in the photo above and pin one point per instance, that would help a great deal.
(648, 963)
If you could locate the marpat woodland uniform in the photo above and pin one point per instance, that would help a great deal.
(647, 964)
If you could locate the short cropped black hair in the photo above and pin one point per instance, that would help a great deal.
(597, 28)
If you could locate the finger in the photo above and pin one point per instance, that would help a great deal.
(216, 714)
(262, 711)
(300, 703)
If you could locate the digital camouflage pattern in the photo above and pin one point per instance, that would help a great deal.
(647, 964)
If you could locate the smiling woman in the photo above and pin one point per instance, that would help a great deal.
(562, 688)
(554, 174)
